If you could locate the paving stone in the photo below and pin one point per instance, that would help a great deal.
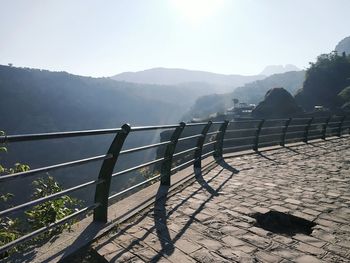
(267, 257)
(187, 246)
(233, 230)
(311, 182)
(236, 256)
(259, 231)
(340, 251)
(334, 258)
(287, 253)
(206, 256)
(283, 240)
(232, 241)
(261, 210)
(256, 240)
(307, 259)
(177, 256)
(293, 201)
(309, 249)
(311, 212)
(210, 244)
(309, 240)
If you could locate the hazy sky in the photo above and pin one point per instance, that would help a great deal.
(103, 38)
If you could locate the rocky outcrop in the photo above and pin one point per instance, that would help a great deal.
(278, 103)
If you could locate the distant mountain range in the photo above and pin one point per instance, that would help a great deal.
(278, 69)
(169, 76)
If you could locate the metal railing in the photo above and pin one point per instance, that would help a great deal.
(213, 138)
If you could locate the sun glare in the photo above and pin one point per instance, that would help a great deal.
(196, 11)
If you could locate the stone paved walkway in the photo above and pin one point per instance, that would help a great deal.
(211, 220)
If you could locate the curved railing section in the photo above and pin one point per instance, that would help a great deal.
(187, 145)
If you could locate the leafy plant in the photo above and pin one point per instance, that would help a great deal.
(38, 216)
(51, 211)
(9, 227)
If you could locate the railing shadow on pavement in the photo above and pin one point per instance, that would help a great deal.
(160, 217)
(160, 220)
(163, 231)
(225, 165)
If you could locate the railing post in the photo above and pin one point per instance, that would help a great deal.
(168, 155)
(307, 128)
(284, 132)
(102, 189)
(220, 140)
(198, 153)
(257, 134)
(324, 130)
(341, 126)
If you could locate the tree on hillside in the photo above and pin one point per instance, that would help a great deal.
(324, 80)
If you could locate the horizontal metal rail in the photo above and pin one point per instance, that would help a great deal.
(272, 127)
(9, 177)
(152, 128)
(297, 125)
(217, 122)
(241, 130)
(270, 135)
(185, 151)
(209, 143)
(55, 135)
(239, 147)
(176, 168)
(332, 128)
(334, 122)
(133, 187)
(212, 133)
(190, 137)
(294, 132)
(300, 119)
(138, 167)
(270, 120)
(245, 121)
(317, 123)
(191, 124)
(239, 138)
(207, 154)
(144, 147)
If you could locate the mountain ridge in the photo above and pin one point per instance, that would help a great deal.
(177, 76)
(278, 69)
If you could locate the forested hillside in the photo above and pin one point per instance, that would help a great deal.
(325, 80)
(39, 101)
(251, 93)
